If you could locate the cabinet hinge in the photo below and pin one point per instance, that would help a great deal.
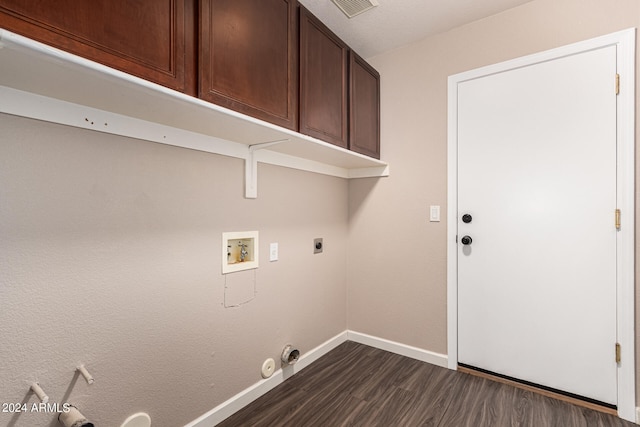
(618, 357)
(618, 219)
(617, 84)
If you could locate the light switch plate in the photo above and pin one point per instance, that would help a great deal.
(434, 213)
(273, 252)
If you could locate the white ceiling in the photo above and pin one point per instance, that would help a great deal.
(398, 22)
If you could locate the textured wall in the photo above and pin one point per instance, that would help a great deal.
(110, 255)
(397, 258)
(110, 247)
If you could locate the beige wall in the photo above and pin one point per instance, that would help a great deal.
(111, 256)
(110, 247)
(397, 258)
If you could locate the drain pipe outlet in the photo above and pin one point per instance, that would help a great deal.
(290, 355)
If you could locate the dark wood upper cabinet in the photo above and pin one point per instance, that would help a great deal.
(249, 57)
(323, 82)
(151, 39)
(364, 111)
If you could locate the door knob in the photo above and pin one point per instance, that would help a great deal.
(466, 240)
(466, 218)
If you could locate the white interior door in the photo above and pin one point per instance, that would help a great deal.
(537, 173)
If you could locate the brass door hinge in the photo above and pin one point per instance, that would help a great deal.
(618, 219)
(618, 357)
(617, 84)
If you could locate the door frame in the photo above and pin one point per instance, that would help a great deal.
(625, 197)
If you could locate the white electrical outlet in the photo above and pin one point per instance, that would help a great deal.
(273, 252)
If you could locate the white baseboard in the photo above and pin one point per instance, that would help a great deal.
(401, 349)
(242, 399)
(637, 415)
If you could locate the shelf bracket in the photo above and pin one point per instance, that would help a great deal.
(262, 145)
(251, 176)
(251, 168)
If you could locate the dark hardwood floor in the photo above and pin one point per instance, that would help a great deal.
(357, 385)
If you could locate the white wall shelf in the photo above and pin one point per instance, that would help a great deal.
(44, 83)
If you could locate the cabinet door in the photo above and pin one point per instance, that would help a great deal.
(151, 39)
(323, 84)
(364, 111)
(249, 57)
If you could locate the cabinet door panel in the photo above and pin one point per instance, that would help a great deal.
(249, 58)
(323, 74)
(148, 38)
(364, 112)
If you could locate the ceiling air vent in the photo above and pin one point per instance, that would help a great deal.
(352, 8)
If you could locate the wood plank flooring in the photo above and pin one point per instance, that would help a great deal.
(357, 385)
